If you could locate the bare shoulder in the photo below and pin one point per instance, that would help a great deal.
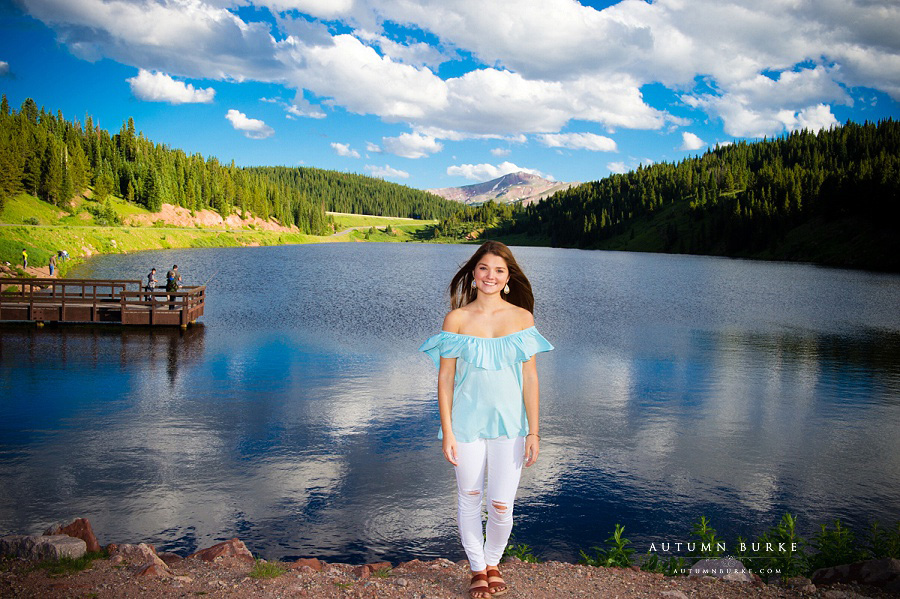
(453, 321)
(524, 318)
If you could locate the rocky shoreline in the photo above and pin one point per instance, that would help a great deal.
(228, 570)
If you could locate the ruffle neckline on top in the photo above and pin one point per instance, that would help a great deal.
(490, 353)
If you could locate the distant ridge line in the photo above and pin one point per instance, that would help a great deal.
(521, 187)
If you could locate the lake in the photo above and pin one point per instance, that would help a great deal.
(299, 416)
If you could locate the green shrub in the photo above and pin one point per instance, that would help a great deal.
(671, 566)
(835, 547)
(710, 546)
(787, 554)
(884, 543)
(618, 555)
(520, 551)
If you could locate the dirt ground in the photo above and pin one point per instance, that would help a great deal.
(436, 579)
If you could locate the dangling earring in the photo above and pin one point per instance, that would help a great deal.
(506, 289)
(474, 286)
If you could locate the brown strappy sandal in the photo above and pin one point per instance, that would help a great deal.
(496, 588)
(481, 591)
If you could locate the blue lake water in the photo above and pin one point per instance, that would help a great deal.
(299, 417)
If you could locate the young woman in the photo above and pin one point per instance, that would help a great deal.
(488, 399)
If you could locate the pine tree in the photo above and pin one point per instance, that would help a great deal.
(51, 175)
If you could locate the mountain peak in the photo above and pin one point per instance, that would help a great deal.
(513, 187)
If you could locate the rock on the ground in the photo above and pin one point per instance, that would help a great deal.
(169, 558)
(376, 566)
(154, 568)
(41, 547)
(309, 562)
(142, 557)
(140, 553)
(883, 573)
(801, 583)
(234, 549)
(727, 568)
(362, 572)
(80, 528)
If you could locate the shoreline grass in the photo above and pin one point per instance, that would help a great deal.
(66, 566)
(264, 569)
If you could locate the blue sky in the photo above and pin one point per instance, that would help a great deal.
(442, 93)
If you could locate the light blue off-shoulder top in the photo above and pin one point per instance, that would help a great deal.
(487, 389)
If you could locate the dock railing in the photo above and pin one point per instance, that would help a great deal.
(95, 300)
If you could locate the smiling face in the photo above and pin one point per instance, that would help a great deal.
(491, 273)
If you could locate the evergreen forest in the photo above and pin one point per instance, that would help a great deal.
(49, 157)
(831, 197)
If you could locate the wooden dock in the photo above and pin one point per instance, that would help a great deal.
(98, 301)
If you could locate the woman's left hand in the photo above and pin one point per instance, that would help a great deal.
(532, 449)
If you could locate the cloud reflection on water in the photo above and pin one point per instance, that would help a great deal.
(313, 431)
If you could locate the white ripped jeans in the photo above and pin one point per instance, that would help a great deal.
(503, 458)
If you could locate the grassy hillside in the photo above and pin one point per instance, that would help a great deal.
(42, 229)
(345, 221)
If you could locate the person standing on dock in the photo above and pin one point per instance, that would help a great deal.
(52, 263)
(488, 401)
(24, 258)
(173, 282)
(151, 284)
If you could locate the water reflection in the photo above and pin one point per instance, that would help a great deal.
(300, 418)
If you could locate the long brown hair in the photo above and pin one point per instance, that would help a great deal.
(462, 292)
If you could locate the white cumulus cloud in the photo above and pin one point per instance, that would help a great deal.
(324, 9)
(813, 118)
(486, 172)
(500, 151)
(416, 53)
(386, 171)
(344, 150)
(529, 67)
(252, 128)
(763, 105)
(617, 167)
(690, 142)
(159, 87)
(411, 145)
(300, 108)
(578, 141)
(374, 148)
(4, 68)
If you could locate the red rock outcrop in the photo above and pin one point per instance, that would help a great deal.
(141, 557)
(233, 549)
(80, 528)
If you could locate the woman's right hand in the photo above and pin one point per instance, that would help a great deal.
(449, 448)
